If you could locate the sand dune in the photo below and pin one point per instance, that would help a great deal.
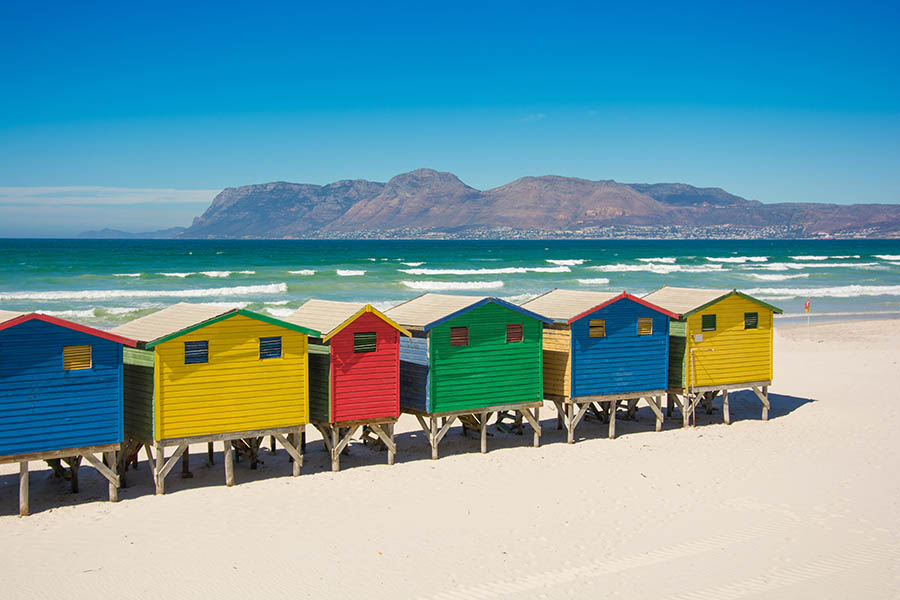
(803, 506)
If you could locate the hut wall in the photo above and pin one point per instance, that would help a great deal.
(365, 385)
(741, 355)
(488, 371)
(138, 392)
(236, 390)
(320, 382)
(557, 360)
(44, 407)
(622, 361)
(414, 371)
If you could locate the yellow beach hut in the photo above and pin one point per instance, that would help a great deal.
(199, 374)
(721, 341)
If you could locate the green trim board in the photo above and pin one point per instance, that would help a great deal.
(233, 313)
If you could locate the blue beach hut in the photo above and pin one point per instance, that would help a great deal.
(601, 349)
(60, 396)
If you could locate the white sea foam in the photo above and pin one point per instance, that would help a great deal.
(661, 269)
(277, 303)
(497, 271)
(844, 291)
(350, 272)
(661, 259)
(216, 273)
(813, 265)
(887, 256)
(68, 314)
(738, 259)
(124, 310)
(566, 262)
(181, 275)
(279, 312)
(226, 305)
(383, 306)
(453, 285)
(372, 259)
(767, 277)
(303, 272)
(810, 257)
(240, 290)
(594, 281)
(520, 298)
(414, 264)
(126, 274)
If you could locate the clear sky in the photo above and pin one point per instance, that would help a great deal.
(133, 115)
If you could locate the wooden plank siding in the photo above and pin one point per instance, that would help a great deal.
(44, 407)
(557, 360)
(622, 361)
(730, 354)
(488, 371)
(414, 372)
(236, 390)
(138, 392)
(365, 385)
(320, 382)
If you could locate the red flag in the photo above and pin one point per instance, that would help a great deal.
(806, 304)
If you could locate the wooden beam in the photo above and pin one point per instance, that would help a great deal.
(295, 454)
(433, 438)
(172, 460)
(160, 458)
(229, 463)
(582, 409)
(535, 422)
(387, 439)
(448, 422)
(483, 421)
(612, 419)
(764, 398)
(570, 428)
(110, 475)
(655, 406)
(63, 453)
(23, 489)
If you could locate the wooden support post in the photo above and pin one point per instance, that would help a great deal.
(335, 453)
(150, 462)
(186, 465)
(23, 489)
(301, 433)
(296, 462)
(392, 447)
(433, 437)
(725, 412)
(271, 444)
(484, 419)
(612, 419)
(765, 411)
(686, 410)
(158, 479)
(559, 414)
(669, 404)
(74, 463)
(229, 463)
(570, 419)
(113, 485)
(209, 453)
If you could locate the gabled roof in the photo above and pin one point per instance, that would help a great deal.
(6, 315)
(430, 310)
(567, 306)
(331, 317)
(687, 301)
(183, 318)
(6, 323)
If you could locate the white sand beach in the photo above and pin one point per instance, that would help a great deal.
(801, 506)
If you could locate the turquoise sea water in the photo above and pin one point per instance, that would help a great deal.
(106, 282)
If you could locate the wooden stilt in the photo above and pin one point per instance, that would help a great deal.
(392, 447)
(186, 464)
(209, 453)
(150, 462)
(229, 463)
(612, 419)
(484, 420)
(272, 444)
(669, 403)
(570, 423)
(157, 472)
(113, 485)
(685, 411)
(765, 411)
(559, 414)
(725, 412)
(74, 463)
(434, 442)
(335, 455)
(23, 489)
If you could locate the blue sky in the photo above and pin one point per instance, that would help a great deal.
(114, 114)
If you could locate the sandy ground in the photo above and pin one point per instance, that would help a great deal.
(802, 506)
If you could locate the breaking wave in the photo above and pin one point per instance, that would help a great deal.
(739, 259)
(303, 272)
(414, 264)
(767, 277)
(453, 285)
(240, 290)
(498, 271)
(661, 259)
(566, 262)
(594, 281)
(350, 272)
(815, 265)
(658, 268)
(126, 274)
(887, 256)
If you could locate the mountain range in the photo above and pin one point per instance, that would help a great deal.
(433, 204)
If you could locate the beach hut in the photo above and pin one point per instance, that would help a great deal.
(60, 396)
(601, 349)
(201, 374)
(468, 357)
(354, 373)
(721, 341)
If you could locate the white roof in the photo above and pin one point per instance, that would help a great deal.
(324, 315)
(562, 305)
(8, 315)
(683, 300)
(427, 308)
(168, 321)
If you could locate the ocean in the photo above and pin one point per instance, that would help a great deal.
(107, 282)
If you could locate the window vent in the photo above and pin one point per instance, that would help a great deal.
(597, 328)
(751, 320)
(364, 341)
(459, 336)
(196, 352)
(514, 333)
(708, 322)
(270, 347)
(645, 326)
(76, 358)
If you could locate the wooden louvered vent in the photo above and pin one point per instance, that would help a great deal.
(76, 358)
(645, 326)
(270, 347)
(751, 320)
(708, 322)
(597, 328)
(459, 336)
(196, 352)
(514, 333)
(364, 341)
